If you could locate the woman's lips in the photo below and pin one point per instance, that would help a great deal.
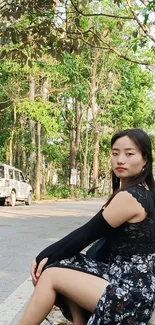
(120, 169)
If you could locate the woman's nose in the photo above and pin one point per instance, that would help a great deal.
(121, 159)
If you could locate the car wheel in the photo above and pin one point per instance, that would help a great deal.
(2, 202)
(29, 199)
(13, 198)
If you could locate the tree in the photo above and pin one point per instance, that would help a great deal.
(31, 29)
(88, 93)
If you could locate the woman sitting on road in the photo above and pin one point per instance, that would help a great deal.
(123, 291)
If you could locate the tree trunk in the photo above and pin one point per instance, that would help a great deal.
(73, 150)
(85, 184)
(107, 188)
(96, 158)
(44, 174)
(32, 126)
(11, 147)
(45, 96)
(23, 151)
(72, 159)
(50, 173)
(38, 163)
(75, 140)
(95, 113)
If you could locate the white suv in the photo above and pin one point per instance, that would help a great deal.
(13, 186)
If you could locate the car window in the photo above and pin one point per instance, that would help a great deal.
(11, 173)
(17, 175)
(21, 177)
(1, 171)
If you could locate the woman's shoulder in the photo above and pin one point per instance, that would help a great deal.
(123, 207)
(141, 193)
(137, 190)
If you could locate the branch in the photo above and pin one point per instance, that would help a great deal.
(108, 47)
(5, 92)
(59, 90)
(112, 49)
(144, 2)
(6, 101)
(104, 15)
(4, 109)
(128, 59)
(144, 29)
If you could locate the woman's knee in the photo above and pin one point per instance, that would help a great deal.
(57, 278)
(48, 276)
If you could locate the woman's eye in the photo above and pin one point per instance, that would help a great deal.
(114, 153)
(129, 154)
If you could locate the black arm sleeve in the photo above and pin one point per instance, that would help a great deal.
(77, 240)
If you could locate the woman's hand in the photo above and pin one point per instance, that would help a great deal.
(36, 271)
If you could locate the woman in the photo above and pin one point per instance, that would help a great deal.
(122, 291)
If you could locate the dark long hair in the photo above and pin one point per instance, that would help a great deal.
(143, 142)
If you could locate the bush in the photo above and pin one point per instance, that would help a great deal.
(81, 193)
(65, 192)
(59, 192)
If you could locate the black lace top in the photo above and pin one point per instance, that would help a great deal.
(137, 238)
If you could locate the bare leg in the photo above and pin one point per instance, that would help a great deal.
(40, 304)
(78, 318)
(82, 288)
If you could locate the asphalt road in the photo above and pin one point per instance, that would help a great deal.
(24, 232)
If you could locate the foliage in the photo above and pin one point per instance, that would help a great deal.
(128, 105)
(64, 192)
(58, 191)
(41, 111)
(29, 29)
(59, 43)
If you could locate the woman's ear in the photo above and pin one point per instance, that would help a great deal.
(145, 161)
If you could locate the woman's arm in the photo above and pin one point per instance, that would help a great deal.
(77, 240)
(122, 208)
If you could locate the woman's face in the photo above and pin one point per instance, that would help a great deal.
(126, 158)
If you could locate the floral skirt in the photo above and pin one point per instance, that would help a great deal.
(129, 298)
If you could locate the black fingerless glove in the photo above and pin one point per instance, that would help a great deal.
(77, 240)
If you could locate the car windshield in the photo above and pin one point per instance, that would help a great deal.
(1, 172)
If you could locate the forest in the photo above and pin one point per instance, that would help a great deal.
(72, 73)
